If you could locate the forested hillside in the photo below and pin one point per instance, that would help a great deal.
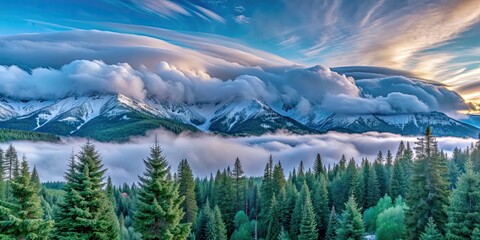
(417, 192)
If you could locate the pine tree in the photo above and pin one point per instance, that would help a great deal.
(275, 224)
(372, 192)
(381, 174)
(186, 190)
(476, 234)
(266, 194)
(283, 235)
(202, 220)
(86, 212)
(216, 229)
(296, 219)
(431, 232)
(159, 210)
(23, 217)
(428, 194)
(318, 168)
(389, 167)
(332, 225)
(11, 162)
(225, 198)
(398, 183)
(320, 204)
(308, 225)
(351, 225)
(239, 185)
(464, 209)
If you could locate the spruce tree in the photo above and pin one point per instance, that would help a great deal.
(297, 214)
(22, 218)
(239, 185)
(159, 209)
(351, 225)
(86, 212)
(431, 232)
(381, 174)
(318, 168)
(266, 194)
(320, 204)
(225, 199)
(428, 193)
(11, 162)
(275, 224)
(332, 225)
(372, 192)
(186, 189)
(308, 225)
(216, 229)
(464, 209)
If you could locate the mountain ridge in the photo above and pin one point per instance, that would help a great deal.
(116, 117)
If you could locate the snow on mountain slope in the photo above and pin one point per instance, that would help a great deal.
(404, 124)
(116, 112)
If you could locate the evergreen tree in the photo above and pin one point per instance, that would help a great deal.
(239, 185)
(464, 209)
(23, 217)
(398, 184)
(11, 162)
(351, 225)
(476, 234)
(202, 220)
(266, 194)
(85, 212)
(381, 174)
(372, 192)
(332, 225)
(275, 224)
(428, 194)
(308, 226)
(389, 167)
(320, 204)
(431, 232)
(159, 210)
(297, 214)
(225, 199)
(243, 230)
(186, 189)
(318, 167)
(283, 235)
(216, 229)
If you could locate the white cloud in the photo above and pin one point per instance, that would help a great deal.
(124, 161)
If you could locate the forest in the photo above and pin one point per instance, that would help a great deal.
(417, 192)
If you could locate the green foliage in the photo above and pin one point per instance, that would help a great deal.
(186, 190)
(351, 225)
(86, 212)
(8, 135)
(428, 194)
(431, 232)
(371, 214)
(22, 218)
(308, 225)
(216, 229)
(159, 209)
(332, 225)
(390, 223)
(464, 209)
(243, 229)
(275, 224)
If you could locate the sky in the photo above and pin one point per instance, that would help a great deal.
(433, 39)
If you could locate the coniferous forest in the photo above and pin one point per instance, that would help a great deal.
(416, 192)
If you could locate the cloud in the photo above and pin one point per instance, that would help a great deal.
(304, 88)
(124, 161)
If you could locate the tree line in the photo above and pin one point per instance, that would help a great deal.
(417, 193)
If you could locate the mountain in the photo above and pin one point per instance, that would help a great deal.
(405, 124)
(115, 117)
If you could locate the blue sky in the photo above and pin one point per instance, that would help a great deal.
(438, 40)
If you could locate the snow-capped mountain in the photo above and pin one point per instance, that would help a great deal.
(117, 117)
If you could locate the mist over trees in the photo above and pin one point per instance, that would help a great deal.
(415, 192)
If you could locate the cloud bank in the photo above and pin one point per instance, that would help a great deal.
(139, 66)
(124, 161)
